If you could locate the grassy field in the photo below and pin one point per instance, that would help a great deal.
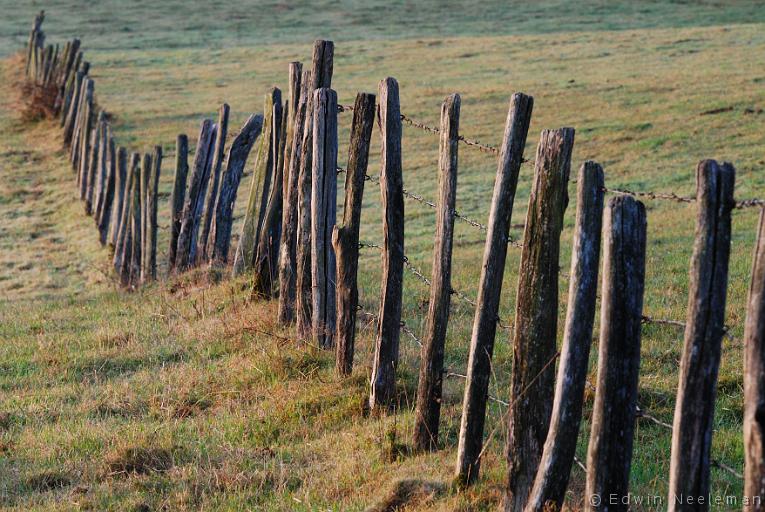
(181, 383)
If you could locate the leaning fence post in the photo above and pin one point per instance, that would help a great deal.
(754, 377)
(428, 410)
(102, 171)
(111, 178)
(136, 230)
(552, 477)
(92, 167)
(288, 248)
(220, 237)
(704, 330)
(123, 244)
(323, 215)
(383, 382)
(212, 195)
(146, 168)
(119, 196)
(609, 454)
(321, 76)
(151, 211)
(490, 288)
(345, 238)
(178, 195)
(536, 315)
(73, 105)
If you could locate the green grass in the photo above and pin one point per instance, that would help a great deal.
(179, 380)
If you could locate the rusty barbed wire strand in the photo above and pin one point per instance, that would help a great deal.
(486, 148)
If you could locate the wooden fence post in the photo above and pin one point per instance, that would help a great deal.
(178, 196)
(345, 238)
(102, 171)
(267, 253)
(428, 409)
(189, 219)
(246, 250)
(111, 178)
(609, 455)
(92, 166)
(119, 196)
(552, 477)
(490, 288)
(146, 168)
(80, 148)
(123, 244)
(754, 378)
(212, 195)
(136, 228)
(321, 76)
(323, 216)
(240, 148)
(152, 201)
(73, 106)
(288, 249)
(536, 315)
(704, 330)
(383, 382)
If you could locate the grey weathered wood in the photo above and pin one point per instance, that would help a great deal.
(194, 197)
(299, 90)
(33, 37)
(754, 377)
(102, 171)
(83, 149)
(609, 455)
(267, 253)
(549, 489)
(123, 244)
(136, 230)
(212, 193)
(146, 169)
(178, 196)
(119, 196)
(73, 106)
(383, 381)
(704, 330)
(151, 210)
(323, 216)
(263, 171)
(220, 236)
(429, 386)
(345, 238)
(70, 93)
(86, 112)
(321, 76)
(111, 183)
(93, 167)
(490, 287)
(536, 315)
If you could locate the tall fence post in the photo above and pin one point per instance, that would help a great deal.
(102, 171)
(246, 250)
(704, 330)
(73, 106)
(146, 168)
(345, 238)
(92, 165)
(178, 196)
(212, 193)
(124, 243)
(189, 219)
(609, 455)
(321, 76)
(754, 378)
(220, 237)
(153, 199)
(324, 216)
(428, 409)
(552, 477)
(119, 196)
(383, 382)
(490, 287)
(136, 242)
(83, 149)
(536, 315)
(288, 249)
(111, 182)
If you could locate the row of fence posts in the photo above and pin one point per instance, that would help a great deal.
(296, 251)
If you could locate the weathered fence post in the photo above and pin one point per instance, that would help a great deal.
(536, 315)
(490, 288)
(704, 330)
(323, 216)
(108, 197)
(136, 228)
(73, 104)
(178, 196)
(383, 382)
(428, 409)
(123, 244)
(92, 166)
(146, 167)
(609, 455)
(321, 76)
(102, 171)
(220, 237)
(86, 115)
(194, 198)
(549, 489)
(288, 249)
(33, 37)
(119, 197)
(754, 379)
(152, 203)
(267, 253)
(262, 174)
(82, 149)
(345, 238)
(212, 195)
